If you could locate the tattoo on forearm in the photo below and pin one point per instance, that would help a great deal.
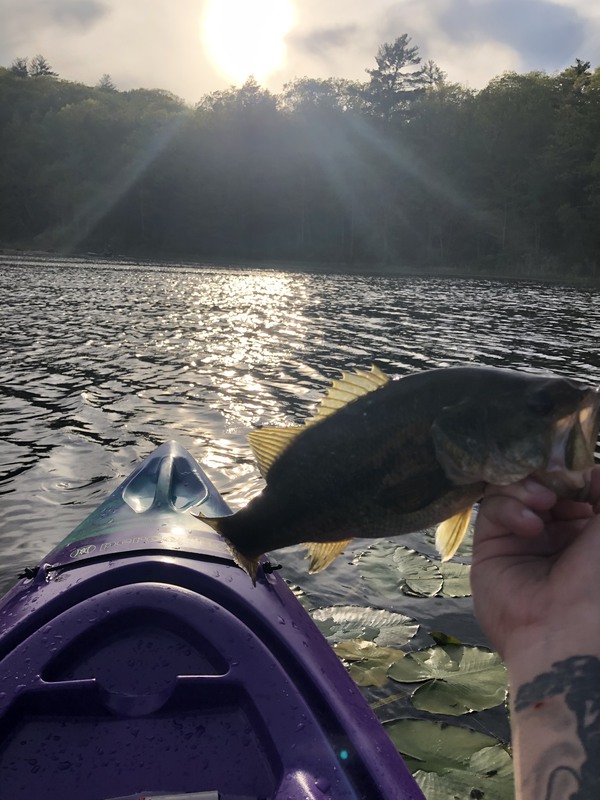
(578, 680)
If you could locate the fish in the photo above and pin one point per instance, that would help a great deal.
(383, 457)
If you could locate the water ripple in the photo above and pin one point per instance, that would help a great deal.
(100, 362)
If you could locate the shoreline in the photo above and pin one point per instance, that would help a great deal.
(317, 267)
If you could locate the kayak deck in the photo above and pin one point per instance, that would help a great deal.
(139, 661)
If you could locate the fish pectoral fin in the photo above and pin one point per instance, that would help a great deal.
(348, 388)
(451, 532)
(269, 443)
(321, 554)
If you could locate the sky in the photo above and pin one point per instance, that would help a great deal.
(194, 47)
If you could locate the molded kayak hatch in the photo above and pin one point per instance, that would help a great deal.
(150, 667)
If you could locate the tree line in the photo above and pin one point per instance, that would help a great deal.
(402, 171)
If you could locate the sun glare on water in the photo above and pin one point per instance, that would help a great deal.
(246, 37)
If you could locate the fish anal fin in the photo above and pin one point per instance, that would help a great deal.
(348, 388)
(321, 554)
(269, 443)
(451, 532)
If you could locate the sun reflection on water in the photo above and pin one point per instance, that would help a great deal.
(104, 361)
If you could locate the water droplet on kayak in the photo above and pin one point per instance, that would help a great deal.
(322, 784)
(300, 726)
(281, 620)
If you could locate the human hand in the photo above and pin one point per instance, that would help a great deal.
(536, 568)
(536, 564)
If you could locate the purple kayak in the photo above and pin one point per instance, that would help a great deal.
(138, 661)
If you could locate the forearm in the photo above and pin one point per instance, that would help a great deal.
(555, 718)
(535, 571)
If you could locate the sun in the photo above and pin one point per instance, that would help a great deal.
(247, 37)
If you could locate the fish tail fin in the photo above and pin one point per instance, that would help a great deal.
(321, 554)
(222, 526)
(451, 532)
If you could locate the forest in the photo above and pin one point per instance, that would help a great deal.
(402, 172)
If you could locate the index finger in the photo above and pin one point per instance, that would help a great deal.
(515, 508)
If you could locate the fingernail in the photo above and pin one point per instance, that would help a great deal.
(534, 487)
(528, 514)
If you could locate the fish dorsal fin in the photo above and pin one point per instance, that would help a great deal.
(269, 443)
(451, 532)
(348, 388)
(321, 554)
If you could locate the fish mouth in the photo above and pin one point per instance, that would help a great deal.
(574, 438)
(572, 449)
(589, 419)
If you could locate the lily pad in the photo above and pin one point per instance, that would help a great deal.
(340, 623)
(465, 785)
(439, 637)
(302, 597)
(456, 679)
(452, 763)
(457, 582)
(389, 569)
(465, 551)
(369, 662)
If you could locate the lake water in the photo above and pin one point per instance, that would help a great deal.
(102, 361)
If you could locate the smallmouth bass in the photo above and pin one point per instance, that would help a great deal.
(385, 457)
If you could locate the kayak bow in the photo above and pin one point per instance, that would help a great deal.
(138, 661)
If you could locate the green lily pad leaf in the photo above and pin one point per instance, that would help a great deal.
(302, 597)
(370, 662)
(456, 579)
(456, 679)
(452, 763)
(389, 569)
(443, 638)
(387, 700)
(459, 785)
(340, 623)
(465, 550)
(436, 746)
(443, 697)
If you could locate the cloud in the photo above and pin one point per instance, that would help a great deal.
(472, 60)
(138, 43)
(157, 43)
(543, 33)
(77, 14)
(320, 40)
(476, 40)
(27, 25)
(20, 15)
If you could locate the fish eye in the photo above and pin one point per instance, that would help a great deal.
(541, 402)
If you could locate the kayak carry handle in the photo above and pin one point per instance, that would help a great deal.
(168, 483)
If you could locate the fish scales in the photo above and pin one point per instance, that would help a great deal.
(408, 454)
